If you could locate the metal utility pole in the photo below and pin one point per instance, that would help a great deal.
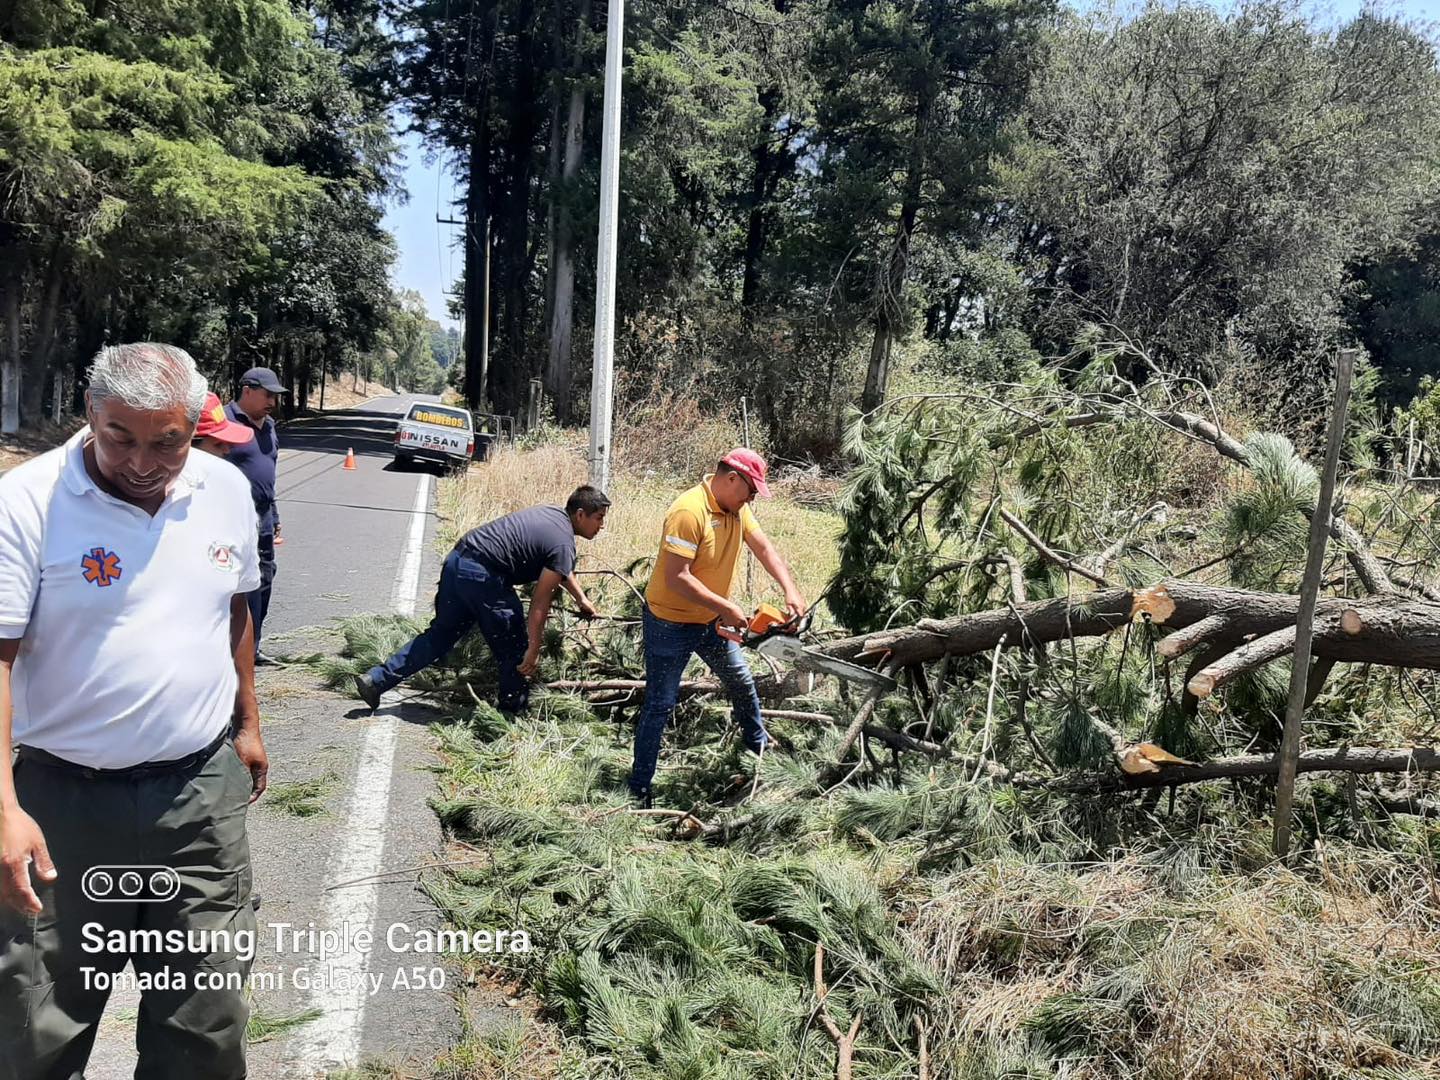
(1305, 621)
(600, 380)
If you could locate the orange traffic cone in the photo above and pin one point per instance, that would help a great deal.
(350, 459)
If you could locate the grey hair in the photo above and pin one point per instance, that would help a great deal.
(147, 376)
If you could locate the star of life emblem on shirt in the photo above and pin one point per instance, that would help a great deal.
(224, 557)
(100, 567)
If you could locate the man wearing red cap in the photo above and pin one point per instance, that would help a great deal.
(215, 432)
(688, 609)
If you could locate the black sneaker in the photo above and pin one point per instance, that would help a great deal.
(642, 799)
(368, 691)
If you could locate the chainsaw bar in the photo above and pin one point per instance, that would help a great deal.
(788, 649)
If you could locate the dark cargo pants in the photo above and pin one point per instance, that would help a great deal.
(189, 818)
(258, 600)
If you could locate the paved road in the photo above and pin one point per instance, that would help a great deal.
(354, 541)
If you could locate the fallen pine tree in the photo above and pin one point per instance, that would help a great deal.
(985, 895)
(1252, 629)
(1232, 632)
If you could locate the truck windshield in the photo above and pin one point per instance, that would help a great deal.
(439, 415)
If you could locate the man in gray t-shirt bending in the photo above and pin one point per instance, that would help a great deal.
(477, 589)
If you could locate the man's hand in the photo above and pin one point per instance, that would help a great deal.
(251, 750)
(278, 538)
(21, 843)
(528, 665)
(794, 604)
(731, 624)
(587, 610)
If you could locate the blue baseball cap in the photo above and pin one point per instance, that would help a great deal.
(264, 378)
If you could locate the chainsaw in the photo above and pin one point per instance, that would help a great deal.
(771, 634)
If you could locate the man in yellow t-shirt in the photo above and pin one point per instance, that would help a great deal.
(688, 609)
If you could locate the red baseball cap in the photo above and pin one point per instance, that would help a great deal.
(214, 424)
(744, 460)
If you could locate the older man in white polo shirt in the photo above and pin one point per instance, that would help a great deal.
(127, 694)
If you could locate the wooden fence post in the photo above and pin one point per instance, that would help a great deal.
(1309, 593)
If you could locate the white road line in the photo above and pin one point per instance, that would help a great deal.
(408, 581)
(333, 1038)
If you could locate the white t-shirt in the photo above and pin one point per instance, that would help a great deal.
(124, 618)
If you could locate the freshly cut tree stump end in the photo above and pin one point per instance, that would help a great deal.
(1152, 605)
(1351, 622)
(1202, 685)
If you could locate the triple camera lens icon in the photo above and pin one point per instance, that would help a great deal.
(130, 884)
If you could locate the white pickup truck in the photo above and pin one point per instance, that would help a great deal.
(439, 433)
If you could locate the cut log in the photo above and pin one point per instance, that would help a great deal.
(1183, 640)
(1391, 630)
(1246, 658)
(790, 684)
(1356, 759)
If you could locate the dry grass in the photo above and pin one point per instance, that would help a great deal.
(514, 479)
(671, 433)
(31, 442)
(1135, 968)
(343, 392)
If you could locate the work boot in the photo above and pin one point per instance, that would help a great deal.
(368, 691)
(642, 799)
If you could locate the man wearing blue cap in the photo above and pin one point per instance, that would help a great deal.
(258, 459)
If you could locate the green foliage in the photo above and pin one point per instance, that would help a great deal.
(982, 912)
(1264, 525)
(194, 172)
(1201, 179)
(1395, 309)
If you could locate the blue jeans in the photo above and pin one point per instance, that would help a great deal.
(469, 595)
(668, 647)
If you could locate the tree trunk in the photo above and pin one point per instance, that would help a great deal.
(287, 376)
(1383, 629)
(10, 362)
(511, 378)
(42, 344)
(477, 215)
(302, 362)
(889, 306)
(1354, 759)
(558, 372)
(877, 372)
(762, 187)
(553, 153)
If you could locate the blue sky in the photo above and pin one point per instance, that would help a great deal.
(429, 263)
